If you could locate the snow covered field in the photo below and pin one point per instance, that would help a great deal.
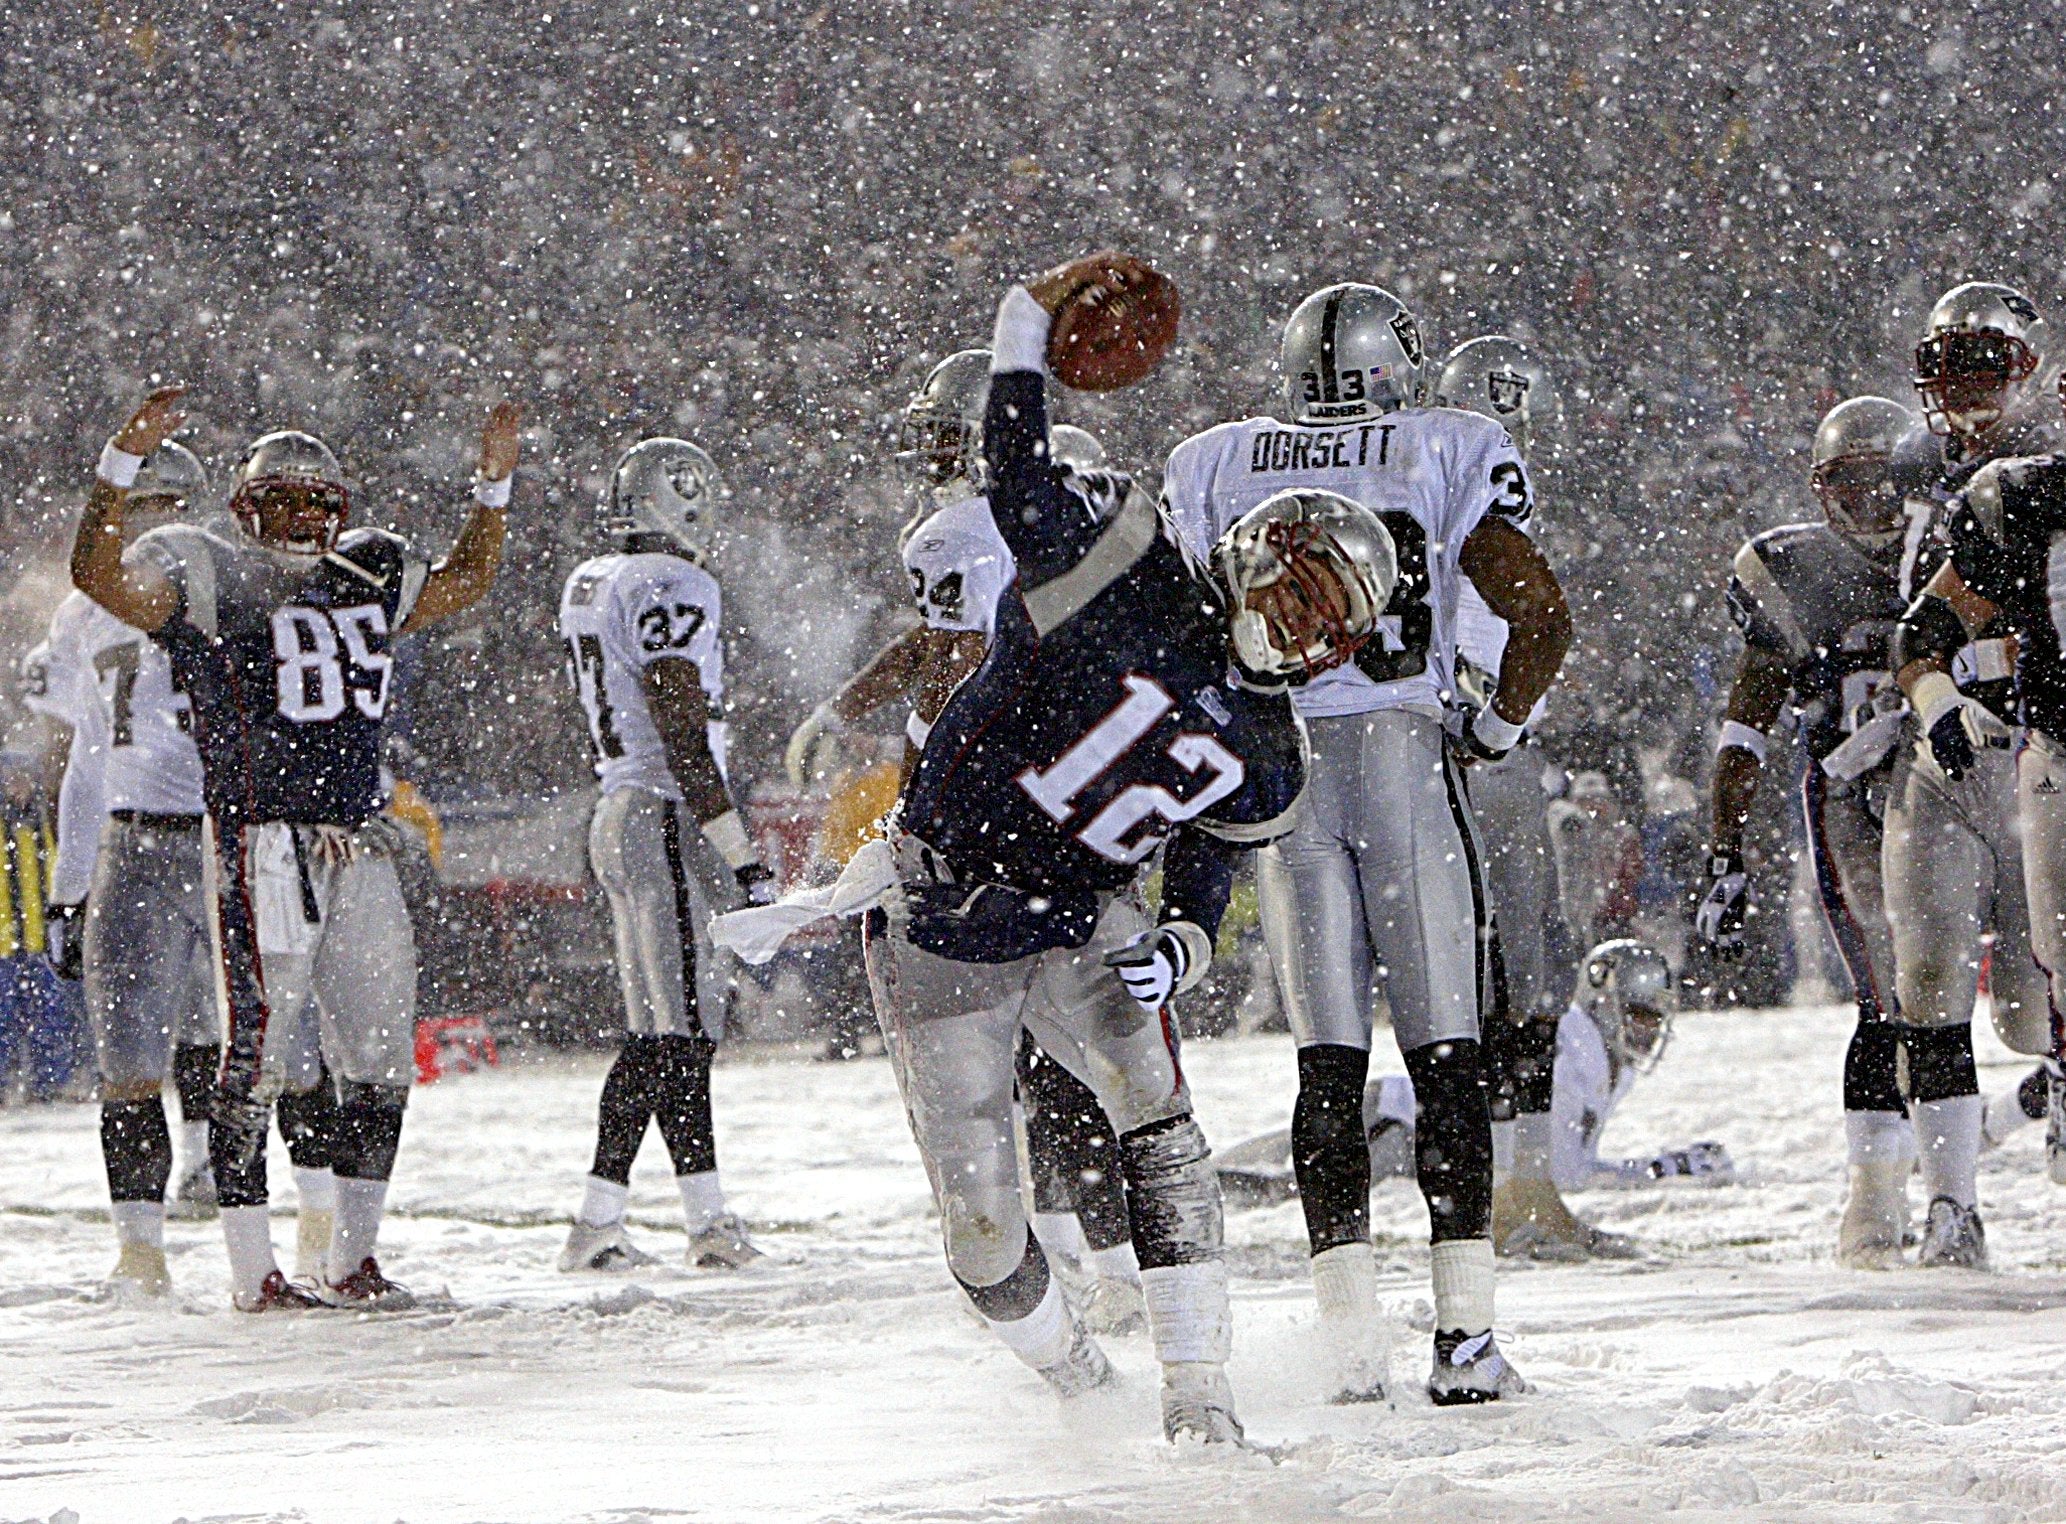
(1736, 1375)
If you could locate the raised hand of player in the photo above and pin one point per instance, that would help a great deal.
(500, 445)
(154, 422)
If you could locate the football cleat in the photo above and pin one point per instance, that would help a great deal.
(279, 1294)
(141, 1268)
(1113, 1307)
(1083, 1369)
(194, 1197)
(1953, 1236)
(1470, 1369)
(607, 1249)
(1197, 1403)
(1531, 1221)
(367, 1290)
(1875, 1218)
(312, 1244)
(723, 1245)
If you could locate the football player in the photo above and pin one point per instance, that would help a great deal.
(1379, 877)
(1532, 956)
(1954, 862)
(1103, 723)
(280, 634)
(643, 627)
(1816, 603)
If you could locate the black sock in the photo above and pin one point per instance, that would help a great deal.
(308, 1124)
(1872, 1072)
(1172, 1194)
(236, 1152)
(1452, 1132)
(193, 1075)
(1940, 1062)
(367, 1131)
(625, 1108)
(1073, 1149)
(680, 1099)
(1329, 1154)
(136, 1146)
(2033, 1094)
(1018, 1294)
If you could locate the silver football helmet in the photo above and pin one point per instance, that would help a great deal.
(665, 487)
(942, 434)
(1351, 352)
(1627, 989)
(1306, 574)
(1851, 470)
(172, 479)
(289, 493)
(1501, 378)
(1078, 449)
(1984, 345)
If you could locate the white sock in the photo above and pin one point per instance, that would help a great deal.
(1042, 1337)
(702, 1199)
(356, 1227)
(1462, 1272)
(1345, 1286)
(193, 1144)
(139, 1222)
(1188, 1312)
(248, 1233)
(316, 1189)
(1502, 1150)
(602, 1202)
(1878, 1137)
(1532, 1145)
(1061, 1235)
(1947, 1137)
(2003, 1117)
(1118, 1263)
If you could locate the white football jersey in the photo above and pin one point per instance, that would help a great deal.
(125, 679)
(51, 688)
(620, 614)
(959, 566)
(1430, 473)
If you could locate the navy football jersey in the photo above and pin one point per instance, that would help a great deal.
(1103, 722)
(288, 663)
(2007, 531)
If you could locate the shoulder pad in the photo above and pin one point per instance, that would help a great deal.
(1982, 496)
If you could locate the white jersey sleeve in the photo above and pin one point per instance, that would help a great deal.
(959, 567)
(1586, 1093)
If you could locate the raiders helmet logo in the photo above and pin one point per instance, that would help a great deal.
(1508, 389)
(1408, 334)
(2020, 305)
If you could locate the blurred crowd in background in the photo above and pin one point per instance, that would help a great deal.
(758, 225)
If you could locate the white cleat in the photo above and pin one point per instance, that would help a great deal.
(367, 1290)
(1953, 1236)
(1197, 1403)
(1470, 1369)
(1083, 1369)
(312, 1244)
(193, 1198)
(723, 1245)
(140, 1270)
(1875, 1222)
(607, 1249)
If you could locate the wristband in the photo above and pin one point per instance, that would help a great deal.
(1739, 735)
(118, 467)
(916, 730)
(493, 494)
(727, 834)
(1020, 341)
(1499, 734)
(1934, 696)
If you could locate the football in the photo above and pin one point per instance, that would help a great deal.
(1115, 326)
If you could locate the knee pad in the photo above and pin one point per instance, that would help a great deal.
(1330, 1154)
(1172, 1194)
(308, 1124)
(1015, 1296)
(1939, 1063)
(1452, 1134)
(368, 1130)
(136, 1146)
(1872, 1067)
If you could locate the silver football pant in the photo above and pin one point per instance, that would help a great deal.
(1953, 863)
(662, 880)
(150, 975)
(1845, 847)
(1520, 869)
(2041, 798)
(952, 1029)
(1378, 880)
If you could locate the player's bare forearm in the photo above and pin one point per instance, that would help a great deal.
(138, 595)
(1736, 773)
(891, 673)
(1755, 700)
(1517, 584)
(954, 654)
(681, 713)
(1931, 630)
(463, 578)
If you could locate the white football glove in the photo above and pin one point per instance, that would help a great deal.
(1718, 923)
(1707, 1161)
(796, 757)
(1151, 966)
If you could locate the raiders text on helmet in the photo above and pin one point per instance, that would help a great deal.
(1853, 454)
(1350, 352)
(1306, 573)
(1629, 992)
(1501, 378)
(1984, 345)
(666, 487)
(288, 493)
(1078, 449)
(942, 435)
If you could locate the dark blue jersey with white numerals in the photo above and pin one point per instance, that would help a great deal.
(1102, 724)
(288, 663)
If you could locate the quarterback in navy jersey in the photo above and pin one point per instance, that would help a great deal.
(1107, 719)
(280, 634)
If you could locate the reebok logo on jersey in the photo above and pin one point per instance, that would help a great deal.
(1215, 706)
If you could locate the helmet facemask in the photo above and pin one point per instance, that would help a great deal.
(299, 515)
(1306, 574)
(1860, 500)
(1968, 378)
(934, 448)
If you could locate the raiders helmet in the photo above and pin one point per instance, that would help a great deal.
(1306, 574)
(171, 479)
(1350, 352)
(288, 493)
(942, 435)
(1078, 449)
(1852, 469)
(666, 487)
(1627, 989)
(1984, 344)
(1501, 378)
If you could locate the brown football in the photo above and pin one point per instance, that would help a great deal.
(1116, 328)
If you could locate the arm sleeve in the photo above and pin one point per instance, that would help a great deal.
(1197, 879)
(1758, 607)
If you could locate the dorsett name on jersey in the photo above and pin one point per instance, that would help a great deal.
(288, 664)
(1431, 474)
(619, 615)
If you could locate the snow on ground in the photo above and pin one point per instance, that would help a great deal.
(1737, 1375)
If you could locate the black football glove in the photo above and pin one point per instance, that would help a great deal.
(757, 883)
(1950, 746)
(64, 940)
